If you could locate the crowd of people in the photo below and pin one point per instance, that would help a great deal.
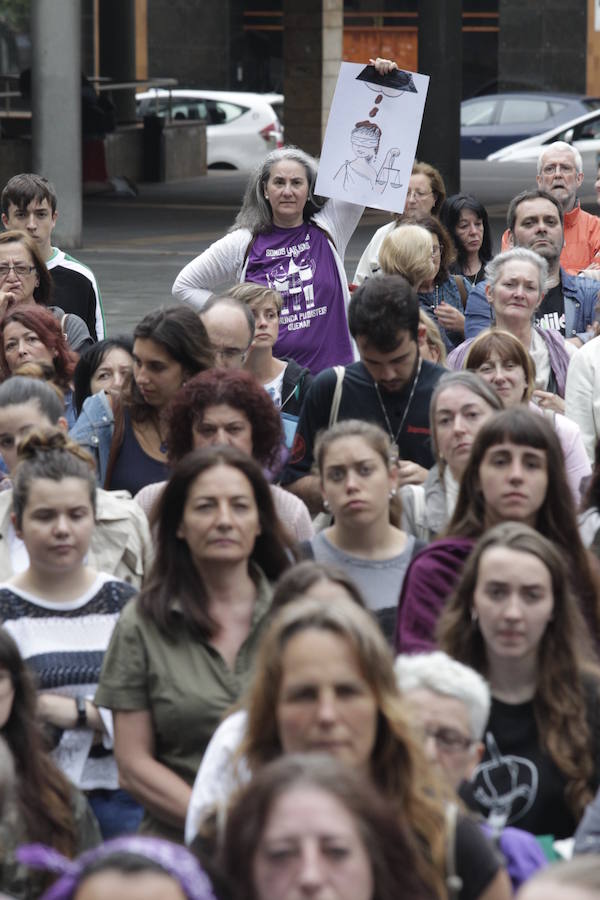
(300, 581)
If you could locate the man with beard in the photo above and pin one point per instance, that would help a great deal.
(535, 221)
(391, 386)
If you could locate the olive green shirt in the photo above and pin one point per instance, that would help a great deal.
(184, 683)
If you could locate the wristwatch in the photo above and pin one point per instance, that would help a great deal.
(81, 712)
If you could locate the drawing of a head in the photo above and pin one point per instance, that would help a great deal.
(365, 137)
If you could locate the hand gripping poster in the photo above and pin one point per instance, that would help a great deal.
(371, 136)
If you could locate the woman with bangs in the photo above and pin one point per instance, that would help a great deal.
(467, 222)
(32, 334)
(515, 472)
(501, 359)
(514, 620)
(324, 683)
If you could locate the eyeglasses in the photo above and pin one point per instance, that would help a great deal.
(20, 269)
(552, 169)
(229, 354)
(449, 740)
(418, 195)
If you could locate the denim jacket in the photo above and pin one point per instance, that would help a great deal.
(580, 295)
(94, 430)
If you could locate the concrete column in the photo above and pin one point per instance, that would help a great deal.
(56, 108)
(312, 52)
(117, 51)
(440, 57)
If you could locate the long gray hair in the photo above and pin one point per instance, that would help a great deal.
(255, 213)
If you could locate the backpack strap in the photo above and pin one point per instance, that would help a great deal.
(340, 372)
(462, 289)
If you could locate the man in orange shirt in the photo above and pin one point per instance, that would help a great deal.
(560, 173)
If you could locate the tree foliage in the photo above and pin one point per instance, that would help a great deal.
(15, 14)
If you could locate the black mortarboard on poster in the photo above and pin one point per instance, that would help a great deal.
(396, 79)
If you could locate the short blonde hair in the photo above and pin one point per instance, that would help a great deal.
(407, 251)
(433, 338)
(250, 293)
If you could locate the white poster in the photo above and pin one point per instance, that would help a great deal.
(371, 137)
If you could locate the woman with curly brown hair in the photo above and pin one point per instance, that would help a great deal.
(324, 683)
(33, 334)
(513, 619)
(230, 407)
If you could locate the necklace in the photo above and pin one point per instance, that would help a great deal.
(162, 442)
(394, 440)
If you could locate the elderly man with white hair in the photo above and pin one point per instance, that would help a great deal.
(560, 173)
(450, 705)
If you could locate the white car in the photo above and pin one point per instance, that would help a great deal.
(241, 128)
(512, 169)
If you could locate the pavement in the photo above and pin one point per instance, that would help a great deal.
(137, 245)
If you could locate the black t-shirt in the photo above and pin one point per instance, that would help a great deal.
(359, 401)
(74, 293)
(551, 312)
(477, 861)
(517, 782)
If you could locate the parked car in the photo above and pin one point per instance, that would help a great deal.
(493, 121)
(241, 127)
(512, 169)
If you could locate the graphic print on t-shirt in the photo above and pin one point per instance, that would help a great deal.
(293, 279)
(299, 264)
(505, 787)
(551, 311)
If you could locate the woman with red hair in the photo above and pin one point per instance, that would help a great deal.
(229, 406)
(33, 334)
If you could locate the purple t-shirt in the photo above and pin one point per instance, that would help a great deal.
(298, 263)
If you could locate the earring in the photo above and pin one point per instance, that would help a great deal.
(474, 616)
(326, 505)
(266, 196)
(393, 493)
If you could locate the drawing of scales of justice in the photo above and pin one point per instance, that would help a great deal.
(294, 281)
(373, 167)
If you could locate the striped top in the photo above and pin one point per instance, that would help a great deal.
(64, 644)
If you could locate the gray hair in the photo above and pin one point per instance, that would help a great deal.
(561, 146)
(255, 213)
(15, 391)
(472, 382)
(439, 673)
(493, 270)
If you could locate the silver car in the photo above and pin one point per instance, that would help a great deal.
(241, 127)
(503, 174)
